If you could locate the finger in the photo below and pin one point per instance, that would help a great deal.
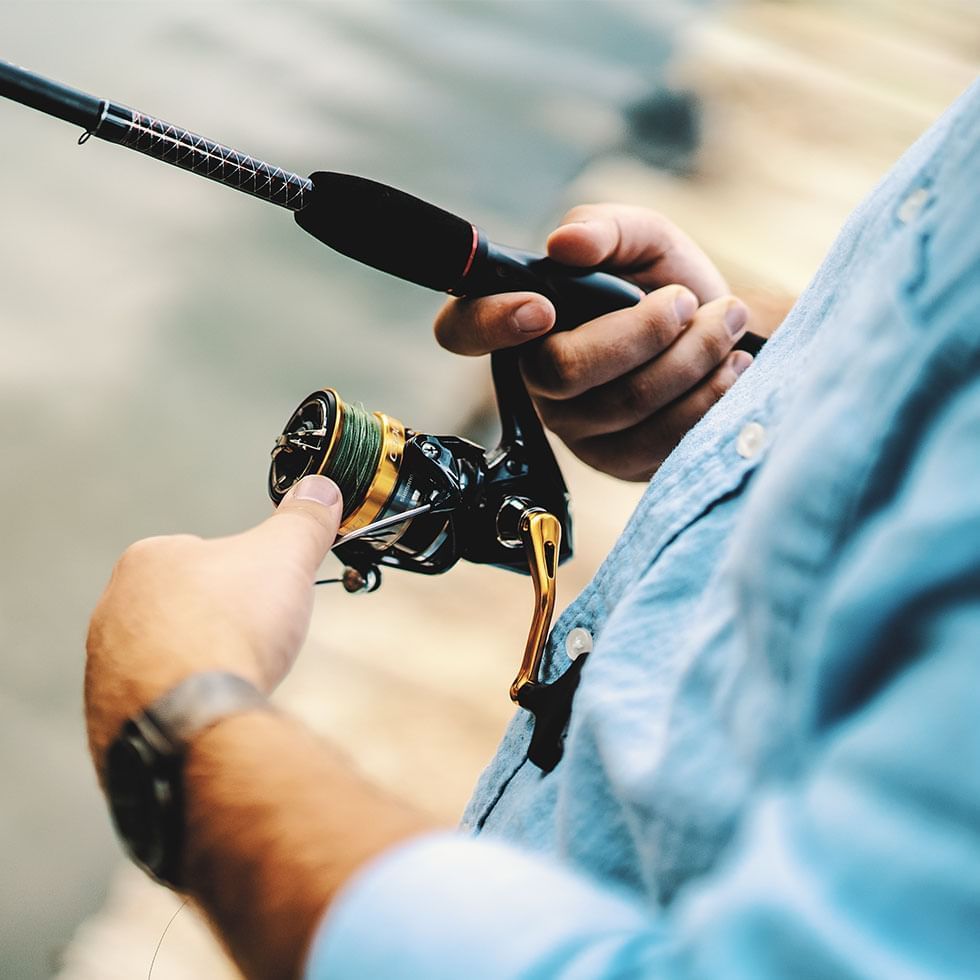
(304, 527)
(638, 394)
(563, 365)
(636, 453)
(640, 243)
(479, 326)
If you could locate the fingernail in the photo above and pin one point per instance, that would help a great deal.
(736, 316)
(319, 489)
(686, 305)
(740, 361)
(531, 317)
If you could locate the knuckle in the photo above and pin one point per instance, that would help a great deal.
(659, 317)
(149, 551)
(690, 371)
(563, 366)
(635, 396)
(718, 384)
(661, 326)
(138, 553)
(551, 415)
(713, 345)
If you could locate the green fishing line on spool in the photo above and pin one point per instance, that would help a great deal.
(355, 459)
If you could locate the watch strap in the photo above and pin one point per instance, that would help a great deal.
(145, 766)
(197, 703)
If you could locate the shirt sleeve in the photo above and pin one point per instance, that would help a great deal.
(450, 906)
(865, 863)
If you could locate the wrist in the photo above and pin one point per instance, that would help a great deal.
(277, 822)
(145, 765)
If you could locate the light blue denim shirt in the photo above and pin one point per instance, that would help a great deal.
(772, 767)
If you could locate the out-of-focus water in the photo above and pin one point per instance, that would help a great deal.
(157, 329)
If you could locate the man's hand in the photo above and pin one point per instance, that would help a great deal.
(623, 389)
(178, 605)
(275, 820)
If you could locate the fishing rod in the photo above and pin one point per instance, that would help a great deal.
(412, 500)
(371, 222)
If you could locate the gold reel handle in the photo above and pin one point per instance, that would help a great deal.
(541, 534)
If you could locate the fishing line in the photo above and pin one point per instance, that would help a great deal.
(355, 458)
(180, 908)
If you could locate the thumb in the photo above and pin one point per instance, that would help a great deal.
(304, 526)
(643, 243)
(479, 326)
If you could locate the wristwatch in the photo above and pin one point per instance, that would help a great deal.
(145, 766)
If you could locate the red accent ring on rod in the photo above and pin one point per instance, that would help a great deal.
(473, 248)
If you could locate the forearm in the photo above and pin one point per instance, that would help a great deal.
(264, 869)
(274, 822)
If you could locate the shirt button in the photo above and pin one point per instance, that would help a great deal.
(750, 440)
(913, 203)
(578, 642)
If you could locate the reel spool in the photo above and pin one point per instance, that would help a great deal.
(383, 471)
(364, 454)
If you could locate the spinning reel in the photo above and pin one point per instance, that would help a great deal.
(422, 502)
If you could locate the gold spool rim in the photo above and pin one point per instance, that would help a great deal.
(385, 477)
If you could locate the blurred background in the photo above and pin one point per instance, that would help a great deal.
(158, 330)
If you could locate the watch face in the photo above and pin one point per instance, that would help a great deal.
(141, 798)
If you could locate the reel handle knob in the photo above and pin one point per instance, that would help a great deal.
(541, 533)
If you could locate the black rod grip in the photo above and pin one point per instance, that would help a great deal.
(388, 229)
(578, 294)
(414, 240)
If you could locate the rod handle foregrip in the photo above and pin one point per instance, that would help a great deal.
(578, 294)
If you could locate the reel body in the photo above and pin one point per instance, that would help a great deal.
(474, 500)
(422, 502)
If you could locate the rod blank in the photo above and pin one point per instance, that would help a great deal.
(49, 97)
(157, 138)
